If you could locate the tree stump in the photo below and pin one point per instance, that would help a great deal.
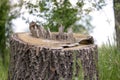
(34, 58)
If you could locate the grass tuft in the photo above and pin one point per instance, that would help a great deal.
(3, 71)
(109, 62)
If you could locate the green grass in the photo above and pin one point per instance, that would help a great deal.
(3, 71)
(109, 64)
(4, 68)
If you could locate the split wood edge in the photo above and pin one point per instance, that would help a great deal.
(40, 32)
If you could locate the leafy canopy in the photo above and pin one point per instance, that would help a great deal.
(57, 12)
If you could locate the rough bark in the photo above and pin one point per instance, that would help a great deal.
(116, 4)
(31, 61)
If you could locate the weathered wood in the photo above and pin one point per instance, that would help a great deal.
(48, 55)
(61, 33)
(70, 35)
(39, 32)
(34, 29)
(37, 59)
(48, 33)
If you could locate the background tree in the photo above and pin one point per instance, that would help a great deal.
(116, 4)
(8, 12)
(4, 11)
(56, 12)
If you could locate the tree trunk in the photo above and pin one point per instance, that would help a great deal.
(116, 4)
(40, 59)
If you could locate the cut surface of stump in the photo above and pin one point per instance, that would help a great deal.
(45, 55)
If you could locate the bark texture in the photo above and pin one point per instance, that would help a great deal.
(36, 62)
(116, 4)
